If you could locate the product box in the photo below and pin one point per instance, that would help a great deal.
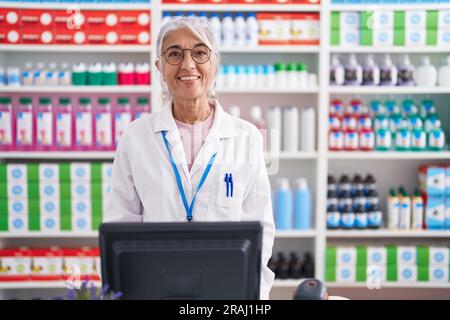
(69, 20)
(407, 273)
(432, 179)
(107, 172)
(49, 190)
(439, 273)
(383, 37)
(443, 37)
(99, 19)
(106, 189)
(274, 28)
(439, 255)
(80, 172)
(349, 20)
(134, 19)
(30, 35)
(48, 172)
(305, 29)
(443, 19)
(67, 36)
(435, 211)
(406, 255)
(16, 172)
(345, 274)
(78, 263)
(102, 36)
(37, 19)
(377, 256)
(375, 276)
(46, 264)
(80, 189)
(9, 36)
(415, 19)
(129, 35)
(447, 213)
(15, 264)
(382, 19)
(50, 214)
(346, 256)
(81, 215)
(415, 37)
(348, 37)
(9, 17)
(18, 215)
(17, 190)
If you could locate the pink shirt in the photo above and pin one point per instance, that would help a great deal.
(193, 136)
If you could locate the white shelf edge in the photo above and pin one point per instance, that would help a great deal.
(372, 49)
(242, 7)
(88, 155)
(391, 155)
(388, 90)
(288, 283)
(81, 89)
(272, 49)
(281, 234)
(291, 155)
(75, 48)
(81, 6)
(314, 90)
(48, 235)
(57, 284)
(387, 234)
(388, 6)
(412, 285)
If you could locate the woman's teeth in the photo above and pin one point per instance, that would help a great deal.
(188, 78)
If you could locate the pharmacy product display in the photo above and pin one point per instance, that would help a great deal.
(53, 197)
(212, 2)
(353, 203)
(267, 76)
(255, 29)
(86, 27)
(49, 264)
(66, 124)
(87, 1)
(435, 191)
(292, 208)
(78, 74)
(380, 265)
(384, 27)
(387, 73)
(415, 126)
(405, 211)
(292, 266)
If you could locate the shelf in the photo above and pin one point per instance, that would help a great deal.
(372, 49)
(81, 6)
(75, 48)
(70, 155)
(389, 6)
(295, 234)
(48, 235)
(241, 7)
(387, 90)
(289, 283)
(387, 234)
(389, 155)
(314, 90)
(272, 49)
(412, 285)
(80, 89)
(291, 155)
(38, 284)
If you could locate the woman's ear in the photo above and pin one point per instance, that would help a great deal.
(158, 66)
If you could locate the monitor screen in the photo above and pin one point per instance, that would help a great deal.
(199, 260)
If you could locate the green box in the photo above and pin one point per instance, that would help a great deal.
(423, 256)
(432, 19)
(330, 273)
(366, 20)
(423, 273)
(3, 202)
(361, 263)
(399, 19)
(335, 20)
(330, 256)
(391, 273)
(399, 37)
(366, 37)
(335, 37)
(66, 214)
(431, 35)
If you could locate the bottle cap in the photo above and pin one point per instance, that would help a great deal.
(5, 100)
(45, 100)
(123, 100)
(255, 112)
(235, 111)
(301, 183)
(85, 100)
(103, 100)
(283, 183)
(25, 100)
(64, 101)
(142, 100)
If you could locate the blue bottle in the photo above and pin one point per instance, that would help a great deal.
(283, 206)
(302, 205)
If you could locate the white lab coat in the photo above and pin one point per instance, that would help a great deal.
(144, 188)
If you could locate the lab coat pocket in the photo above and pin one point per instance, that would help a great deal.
(226, 208)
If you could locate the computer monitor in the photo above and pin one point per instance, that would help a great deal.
(198, 260)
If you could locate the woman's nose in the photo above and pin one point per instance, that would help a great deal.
(187, 62)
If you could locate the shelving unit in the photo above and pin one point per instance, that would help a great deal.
(313, 165)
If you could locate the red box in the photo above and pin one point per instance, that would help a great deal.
(135, 19)
(10, 35)
(37, 36)
(6, 274)
(134, 36)
(72, 37)
(102, 36)
(274, 28)
(84, 258)
(69, 21)
(101, 19)
(36, 19)
(9, 17)
(43, 267)
(308, 24)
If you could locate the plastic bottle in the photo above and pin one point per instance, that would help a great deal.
(353, 72)
(381, 120)
(64, 125)
(252, 81)
(235, 111)
(109, 74)
(372, 198)
(344, 183)
(83, 125)
(79, 74)
(347, 217)
(242, 76)
(393, 210)
(240, 30)
(284, 206)
(6, 124)
(51, 77)
(141, 108)
(282, 267)
(44, 124)
(25, 124)
(3, 82)
(126, 74)
(388, 72)
(27, 75)
(270, 74)
(103, 124)
(292, 76)
(383, 140)
(94, 74)
(302, 205)
(13, 76)
(274, 129)
(418, 139)
(228, 30)
(361, 221)
(417, 211)
(406, 72)
(217, 27)
(290, 129)
(351, 140)
(337, 73)
(426, 74)
(371, 72)
(308, 265)
(295, 266)
(142, 76)
(369, 183)
(405, 210)
(252, 30)
(426, 108)
(331, 182)
(307, 129)
(336, 140)
(436, 139)
(403, 138)
(122, 117)
(375, 217)
(444, 73)
(367, 140)
(333, 217)
(281, 75)
(303, 76)
(64, 75)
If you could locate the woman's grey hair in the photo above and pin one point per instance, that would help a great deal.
(201, 28)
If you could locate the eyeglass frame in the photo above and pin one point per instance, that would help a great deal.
(183, 50)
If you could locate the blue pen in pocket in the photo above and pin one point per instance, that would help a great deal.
(231, 183)
(226, 181)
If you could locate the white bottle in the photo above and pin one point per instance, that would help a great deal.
(13, 76)
(274, 129)
(290, 129)
(252, 82)
(302, 74)
(444, 73)
(242, 76)
(3, 77)
(336, 72)
(405, 211)
(353, 72)
(27, 74)
(307, 129)
(252, 30)
(240, 30)
(426, 74)
(235, 111)
(371, 72)
(417, 211)
(231, 76)
(64, 77)
(393, 210)
(39, 74)
(51, 78)
(228, 30)
(388, 72)
(217, 27)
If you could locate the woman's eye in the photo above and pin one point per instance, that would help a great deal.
(174, 54)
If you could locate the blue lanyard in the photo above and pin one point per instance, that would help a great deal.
(180, 185)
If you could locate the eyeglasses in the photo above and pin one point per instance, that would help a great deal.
(199, 53)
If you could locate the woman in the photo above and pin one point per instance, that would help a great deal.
(191, 151)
